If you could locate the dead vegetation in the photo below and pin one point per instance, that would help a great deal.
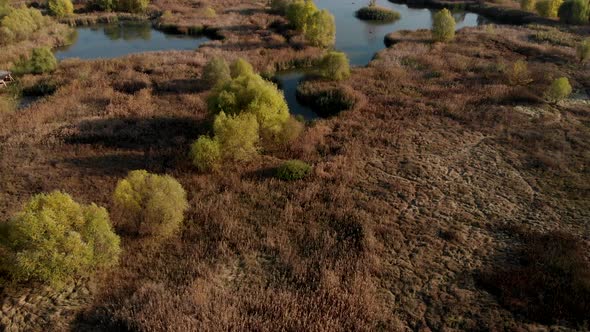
(390, 231)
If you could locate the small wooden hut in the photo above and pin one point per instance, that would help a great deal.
(5, 78)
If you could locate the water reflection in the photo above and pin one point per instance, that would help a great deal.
(115, 40)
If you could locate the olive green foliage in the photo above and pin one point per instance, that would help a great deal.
(335, 66)
(574, 12)
(150, 204)
(132, 6)
(376, 13)
(216, 71)
(60, 8)
(250, 93)
(237, 135)
(318, 26)
(55, 239)
(293, 170)
(548, 8)
(5, 8)
(443, 26)
(206, 154)
(241, 67)
(21, 23)
(41, 61)
(558, 90)
(519, 73)
(528, 5)
(583, 50)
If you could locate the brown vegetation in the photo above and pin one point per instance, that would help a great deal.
(402, 211)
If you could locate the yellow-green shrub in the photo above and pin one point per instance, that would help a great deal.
(216, 71)
(5, 8)
(318, 26)
(519, 73)
(293, 170)
(55, 239)
(41, 61)
(574, 12)
(150, 204)
(558, 90)
(335, 66)
(23, 21)
(443, 26)
(132, 6)
(528, 5)
(60, 8)
(241, 67)
(548, 8)
(209, 12)
(237, 135)
(250, 93)
(206, 154)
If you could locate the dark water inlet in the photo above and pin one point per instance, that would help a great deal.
(107, 41)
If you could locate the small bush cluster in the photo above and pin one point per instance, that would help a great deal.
(20, 24)
(60, 8)
(548, 8)
(377, 13)
(335, 66)
(41, 61)
(318, 26)
(248, 110)
(131, 6)
(150, 204)
(293, 170)
(558, 90)
(280, 6)
(574, 12)
(55, 239)
(443, 26)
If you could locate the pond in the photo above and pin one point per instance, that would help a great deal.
(118, 39)
(360, 40)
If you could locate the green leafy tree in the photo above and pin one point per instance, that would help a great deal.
(299, 13)
(237, 135)
(574, 12)
(335, 66)
(42, 61)
(583, 50)
(443, 26)
(60, 8)
(216, 71)
(250, 93)
(55, 239)
(5, 8)
(558, 90)
(528, 5)
(206, 154)
(293, 170)
(150, 204)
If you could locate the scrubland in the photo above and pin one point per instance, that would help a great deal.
(448, 197)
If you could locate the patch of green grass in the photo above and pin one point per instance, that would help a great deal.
(376, 13)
